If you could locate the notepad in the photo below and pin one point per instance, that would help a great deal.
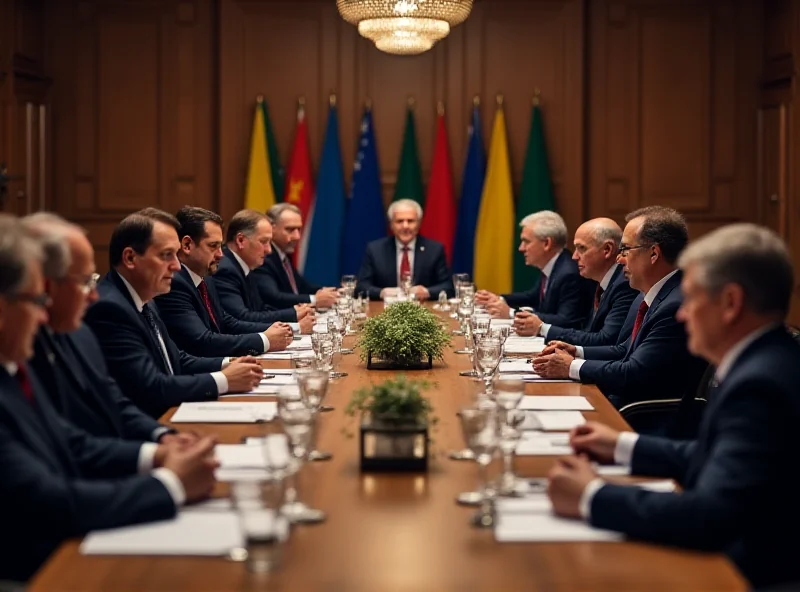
(552, 421)
(218, 412)
(524, 345)
(555, 403)
(543, 444)
(189, 533)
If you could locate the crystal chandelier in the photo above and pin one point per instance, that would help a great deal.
(404, 27)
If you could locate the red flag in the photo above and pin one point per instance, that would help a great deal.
(300, 185)
(439, 220)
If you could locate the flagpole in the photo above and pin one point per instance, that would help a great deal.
(536, 97)
(499, 101)
(476, 101)
(332, 99)
(259, 99)
(440, 108)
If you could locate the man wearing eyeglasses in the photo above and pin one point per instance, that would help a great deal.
(654, 361)
(68, 358)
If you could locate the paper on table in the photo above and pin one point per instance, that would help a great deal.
(516, 366)
(542, 444)
(253, 454)
(280, 379)
(553, 421)
(273, 388)
(279, 371)
(555, 403)
(524, 345)
(533, 378)
(544, 527)
(189, 533)
(303, 343)
(213, 412)
(286, 354)
(501, 322)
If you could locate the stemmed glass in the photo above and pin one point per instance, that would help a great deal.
(297, 420)
(478, 424)
(488, 351)
(507, 394)
(405, 285)
(459, 279)
(466, 307)
(337, 326)
(313, 386)
(344, 309)
(349, 284)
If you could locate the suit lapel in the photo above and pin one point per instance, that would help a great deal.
(155, 347)
(391, 258)
(606, 300)
(199, 305)
(551, 281)
(419, 259)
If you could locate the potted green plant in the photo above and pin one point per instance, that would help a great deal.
(404, 336)
(395, 419)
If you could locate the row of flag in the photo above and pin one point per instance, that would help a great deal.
(479, 232)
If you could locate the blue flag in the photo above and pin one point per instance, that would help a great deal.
(470, 203)
(365, 216)
(324, 255)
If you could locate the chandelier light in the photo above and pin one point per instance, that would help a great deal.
(404, 27)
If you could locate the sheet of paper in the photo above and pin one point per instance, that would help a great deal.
(279, 371)
(286, 354)
(254, 453)
(545, 527)
(516, 367)
(543, 444)
(555, 403)
(219, 412)
(533, 378)
(299, 344)
(279, 379)
(189, 533)
(501, 322)
(553, 421)
(269, 387)
(524, 345)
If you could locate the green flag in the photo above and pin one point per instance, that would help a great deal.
(274, 160)
(536, 194)
(409, 175)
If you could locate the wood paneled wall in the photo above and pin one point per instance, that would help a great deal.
(644, 101)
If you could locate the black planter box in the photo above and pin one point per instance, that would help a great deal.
(378, 364)
(393, 446)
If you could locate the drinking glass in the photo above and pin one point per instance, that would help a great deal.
(264, 529)
(466, 307)
(313, 386)
(479, 426)
(488, 351)
(349, 284)
(508, 394)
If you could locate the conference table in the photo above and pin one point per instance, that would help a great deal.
(387, 532)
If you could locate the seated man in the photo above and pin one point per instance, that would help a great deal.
(738, 479)
(191, 311)
(596, 248)
(560, 296)
(146, 364)
(389, 260)
(247, 242)
(278, 282)
(653, 362)
(56, 481)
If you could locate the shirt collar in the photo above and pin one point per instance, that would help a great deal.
(547, 270)
(729, 359)
(11, 368)
(243, 265)
(196, 279)
(607, 277)
(653, 292)
(411, 246)
(137, 301)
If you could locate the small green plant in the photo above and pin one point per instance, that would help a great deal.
(404, 333)
(397, 400)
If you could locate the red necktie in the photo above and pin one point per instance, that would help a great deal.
(288, 267)
(639, 318)
(25, 382)
(207, 301)
(405, 265)
(542, 288)
(597, 294)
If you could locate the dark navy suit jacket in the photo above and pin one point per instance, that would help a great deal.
(273, 283)
(134, 357)
(657, 365)
(57, 482)
(190, 326)
(73, 372)
(379, 268)
(739, 477)
(239, 295)
(567, 299)
(604, 327)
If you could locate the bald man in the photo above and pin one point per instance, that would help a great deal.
(596, 250)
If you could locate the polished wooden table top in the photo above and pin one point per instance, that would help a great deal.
(389, 532)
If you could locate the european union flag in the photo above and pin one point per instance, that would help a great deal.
(324, 257)
(365, 216)
(470, 203)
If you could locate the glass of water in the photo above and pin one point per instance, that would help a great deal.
(263, 527)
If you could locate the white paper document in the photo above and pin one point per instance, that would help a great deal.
(189, 533)
(254, 454)
(544, 527)
(524, 345)
(286, 354)
(298, 344)
(279, 379)
(516, 367)
(543, 444)
(268, 387)
(218, 412)
(501, 322)
(279, 371)
(533, 378)
(555, 403)
(552, 421)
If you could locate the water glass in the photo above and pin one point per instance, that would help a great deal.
(479, 427)
(488, 351)
(264, 529)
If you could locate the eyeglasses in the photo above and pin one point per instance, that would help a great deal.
(41, 300)
(86, 283)
(623, 249)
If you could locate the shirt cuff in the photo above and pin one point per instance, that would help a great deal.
(222, 382)
(312, 299)
(579, 352)
(295, 327)
(511, 313)
(160, 431)
(147, 454)
(225, 363)
(544, 329)
(575, 369)
(591, 489)
(623, 452)
(172, 483)
(265, 341)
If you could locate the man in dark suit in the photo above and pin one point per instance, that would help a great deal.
(56, 481)
(248, 241)
(278, 281)
(596, 247)
(147, 365)
(560, 296)
(388, 261)
(191, 311)
(653, 362)
(738, 478)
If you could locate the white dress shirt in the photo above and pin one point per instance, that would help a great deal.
(147, 453)
(575, 365)
(312, 297)
(219, 378)
(603, 286)
(196, 280)
(547, 271)
(411, 250)
(626, 441)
